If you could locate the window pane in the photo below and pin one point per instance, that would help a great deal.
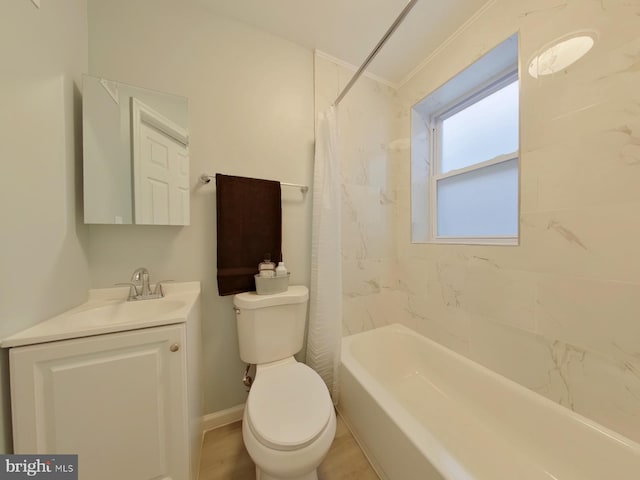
(479, 203)
(482, 131)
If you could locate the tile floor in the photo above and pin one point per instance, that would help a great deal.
(225, 458)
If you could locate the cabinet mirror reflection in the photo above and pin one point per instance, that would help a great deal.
(136, 154)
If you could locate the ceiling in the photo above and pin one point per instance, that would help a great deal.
(349, 29)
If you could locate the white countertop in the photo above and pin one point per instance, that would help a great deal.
(108, 311)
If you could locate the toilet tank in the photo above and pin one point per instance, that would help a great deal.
(271, 327)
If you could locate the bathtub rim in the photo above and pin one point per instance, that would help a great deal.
(433, 449)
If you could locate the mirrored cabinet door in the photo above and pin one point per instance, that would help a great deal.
(136, 155)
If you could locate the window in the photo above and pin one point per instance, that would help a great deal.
(475, 176)
(465, 155)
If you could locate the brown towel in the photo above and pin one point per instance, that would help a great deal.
(249, 220)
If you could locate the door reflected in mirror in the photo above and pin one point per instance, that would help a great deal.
(135, 154)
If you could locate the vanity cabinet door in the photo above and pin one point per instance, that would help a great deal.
(117, 400)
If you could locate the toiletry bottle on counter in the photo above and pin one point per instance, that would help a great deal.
(267, 269)
(281, 270)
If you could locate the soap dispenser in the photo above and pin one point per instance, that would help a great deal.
(281, 270)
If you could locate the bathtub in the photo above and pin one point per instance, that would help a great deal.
(421, 411)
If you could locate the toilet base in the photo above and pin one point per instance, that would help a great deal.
(260, 475)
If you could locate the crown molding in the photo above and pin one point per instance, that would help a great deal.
(353, 68)
(440, 48)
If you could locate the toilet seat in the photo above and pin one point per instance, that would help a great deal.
(288, 407)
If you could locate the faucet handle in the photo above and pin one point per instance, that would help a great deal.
(133, 290)
(145, 290)
(158, 290)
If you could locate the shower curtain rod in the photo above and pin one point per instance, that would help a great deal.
(375, 50)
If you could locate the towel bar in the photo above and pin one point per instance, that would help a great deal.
(204, 178)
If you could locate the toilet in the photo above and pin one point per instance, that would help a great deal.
(289, 422)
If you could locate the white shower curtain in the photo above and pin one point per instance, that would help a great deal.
(325, 302)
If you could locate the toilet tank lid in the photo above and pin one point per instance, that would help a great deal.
(251, 300)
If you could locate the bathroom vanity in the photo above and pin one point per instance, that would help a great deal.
(117, 382)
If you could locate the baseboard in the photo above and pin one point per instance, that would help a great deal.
(222, 417)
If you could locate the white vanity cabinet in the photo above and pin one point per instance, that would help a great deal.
(123, 401)
(117, 400)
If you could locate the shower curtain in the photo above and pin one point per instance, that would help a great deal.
(325, 300)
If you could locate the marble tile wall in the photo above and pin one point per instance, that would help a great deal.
(368, 119)
(560, 313)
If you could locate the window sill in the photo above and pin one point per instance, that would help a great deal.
(489, 241)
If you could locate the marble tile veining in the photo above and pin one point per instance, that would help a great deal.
(559, 312)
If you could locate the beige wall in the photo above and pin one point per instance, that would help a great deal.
(250, 113)
(560, 312)
(43, 260)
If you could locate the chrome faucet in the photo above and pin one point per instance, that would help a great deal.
(139, 287)
(141, 276)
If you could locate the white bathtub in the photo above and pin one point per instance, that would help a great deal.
(421, 411)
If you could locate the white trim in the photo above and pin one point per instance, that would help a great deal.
(514, 241)
(353, 68)
(112, 89)
(140, 112)
(481, 91)
(432, 207)
(478, 166)
(440, 48)
(221, 418)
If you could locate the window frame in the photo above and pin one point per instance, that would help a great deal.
(468, 98)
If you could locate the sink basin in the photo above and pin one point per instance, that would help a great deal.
(123, 312)
(108, 312)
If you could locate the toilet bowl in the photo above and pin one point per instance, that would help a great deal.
(289, 421)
